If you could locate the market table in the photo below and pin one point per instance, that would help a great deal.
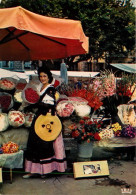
(117, 142)
(20, 136)
(126, 145)
(17, 135)
(15, 160)
(12, 161)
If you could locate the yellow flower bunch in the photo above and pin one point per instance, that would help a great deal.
(116, 127)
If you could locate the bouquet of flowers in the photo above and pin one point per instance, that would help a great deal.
(107, 133)
(16, 118)
(28, 119)
(6, 101)
(105, 86)
(10, 147)
(89, 95)
(18, 96)
(30, 94)
(128, 131)
(7, 84)
(120, 93)
(87, 130)
(21, 84)
(3, 122)
(64, 108)
(116, 129)
(86, 96)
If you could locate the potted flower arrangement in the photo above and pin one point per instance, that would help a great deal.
(85, 133)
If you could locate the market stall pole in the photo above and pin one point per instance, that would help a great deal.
(29, 36)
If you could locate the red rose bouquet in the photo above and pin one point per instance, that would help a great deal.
(6, 101)
(30, 94)
(87, 130)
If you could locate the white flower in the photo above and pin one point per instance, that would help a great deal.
(82, 110)
(3, 122)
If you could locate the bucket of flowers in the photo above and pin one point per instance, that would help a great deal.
(86, 132)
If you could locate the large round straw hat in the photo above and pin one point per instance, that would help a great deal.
(48, 127)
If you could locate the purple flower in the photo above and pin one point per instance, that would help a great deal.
(128, 131)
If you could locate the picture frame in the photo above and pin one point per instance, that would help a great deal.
(90, 169)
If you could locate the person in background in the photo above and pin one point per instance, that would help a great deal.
(43, 157)
(77, 84)
(63, 72)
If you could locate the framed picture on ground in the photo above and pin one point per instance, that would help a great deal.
(90, 169)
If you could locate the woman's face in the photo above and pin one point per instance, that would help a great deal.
(44, 78)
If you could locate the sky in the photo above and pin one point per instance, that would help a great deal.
(134, 3)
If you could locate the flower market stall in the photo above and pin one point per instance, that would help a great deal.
(104, 97)
(107, 98)
(101, 114)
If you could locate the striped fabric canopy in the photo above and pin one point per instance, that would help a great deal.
(125, 67)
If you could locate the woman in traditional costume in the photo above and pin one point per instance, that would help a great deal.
(43, 157)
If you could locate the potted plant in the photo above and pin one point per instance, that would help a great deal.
(86, 132)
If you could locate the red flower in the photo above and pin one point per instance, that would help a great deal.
(88, 141)
(98, 125)
(90, 134)
(86, 118)
(81, 122)
(31, 95)
(97, 137)
(92, 98)
(75, 133)
(90, 123)
(85, 135)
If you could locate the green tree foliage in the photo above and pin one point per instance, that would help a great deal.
(109, 24)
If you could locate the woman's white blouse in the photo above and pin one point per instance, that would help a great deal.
(47, 98)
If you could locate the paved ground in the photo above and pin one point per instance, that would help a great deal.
(122, 176)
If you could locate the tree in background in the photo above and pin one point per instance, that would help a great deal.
(109, 24)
